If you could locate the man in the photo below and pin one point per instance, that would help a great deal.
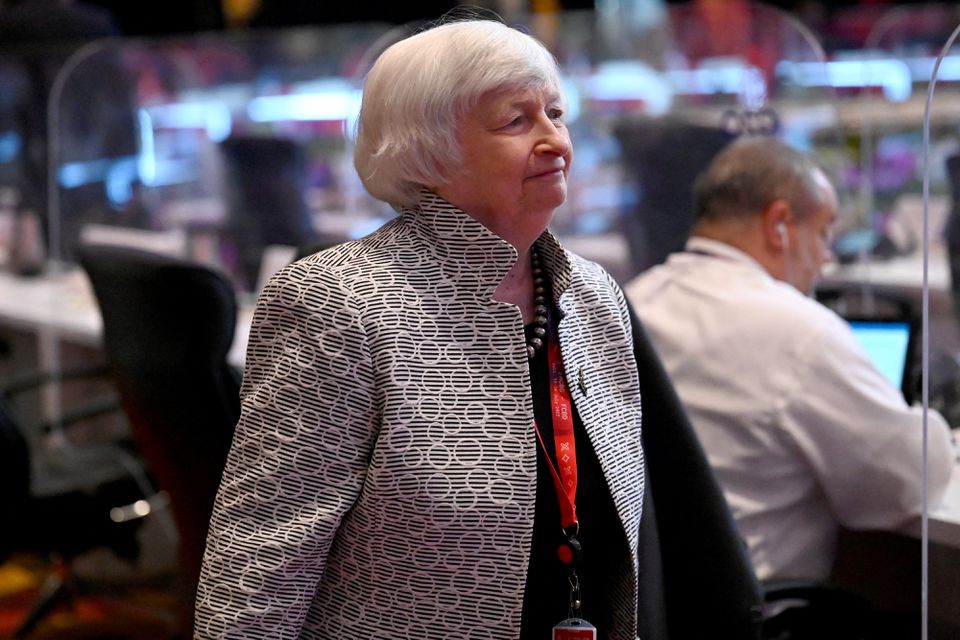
(804, 433)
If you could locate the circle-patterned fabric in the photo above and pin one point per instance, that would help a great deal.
(381, 481)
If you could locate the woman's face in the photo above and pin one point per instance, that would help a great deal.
(516, 159)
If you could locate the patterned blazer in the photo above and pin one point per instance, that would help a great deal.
(381, 481)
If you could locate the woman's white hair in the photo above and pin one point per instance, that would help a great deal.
(418, 90)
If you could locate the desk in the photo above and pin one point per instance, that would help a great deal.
(943, 524)
(943, 564)
(57, 306)
(62, 307)
(902, 277)
(903, 272)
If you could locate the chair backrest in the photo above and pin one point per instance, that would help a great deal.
(663, 158)
(266, 179)
(167, 328)
(696, 579)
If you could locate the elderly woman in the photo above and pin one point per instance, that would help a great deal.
(440, 430)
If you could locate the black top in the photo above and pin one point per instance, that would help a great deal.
(547, 594)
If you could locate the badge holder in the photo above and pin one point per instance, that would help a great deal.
(574, 627)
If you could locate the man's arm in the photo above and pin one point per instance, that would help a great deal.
(864, 443)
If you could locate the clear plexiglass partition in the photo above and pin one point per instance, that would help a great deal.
(230, 144)
(940, 135)
(216, 145)
(657, 94)
(897, 262)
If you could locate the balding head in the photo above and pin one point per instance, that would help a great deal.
(772, 202)
(750, 174)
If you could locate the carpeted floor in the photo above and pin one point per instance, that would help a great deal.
(101, 595)
(83, 607)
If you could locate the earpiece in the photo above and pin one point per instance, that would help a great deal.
(784, 238)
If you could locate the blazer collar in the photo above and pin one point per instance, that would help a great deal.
(473, 253)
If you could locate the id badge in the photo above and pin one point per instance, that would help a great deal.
(574, 629)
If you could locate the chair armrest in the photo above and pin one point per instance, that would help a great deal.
(36, 378)
(813, 591)
(814, 609)
(100, 406)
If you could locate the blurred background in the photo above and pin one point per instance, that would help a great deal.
(218, 134)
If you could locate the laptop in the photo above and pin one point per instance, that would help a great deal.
(890, 345)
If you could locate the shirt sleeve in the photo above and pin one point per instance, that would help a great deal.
(297, 462)
(862, 440)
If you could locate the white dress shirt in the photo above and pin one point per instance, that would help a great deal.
(804, 433)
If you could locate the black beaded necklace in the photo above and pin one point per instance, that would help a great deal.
(540, 318)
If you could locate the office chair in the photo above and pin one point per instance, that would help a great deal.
(69, 522)
(662, 158)
(266, 179)
(696, 577)
(168, 325)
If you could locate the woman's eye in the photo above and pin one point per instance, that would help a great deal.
(555, 114)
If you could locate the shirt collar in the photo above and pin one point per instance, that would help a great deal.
(718, 249)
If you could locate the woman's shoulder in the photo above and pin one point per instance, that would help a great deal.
(325, 269)
(587, 272)
(351, 265)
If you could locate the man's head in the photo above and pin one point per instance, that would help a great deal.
(772, 202)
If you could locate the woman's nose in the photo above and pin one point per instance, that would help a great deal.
(555, 140)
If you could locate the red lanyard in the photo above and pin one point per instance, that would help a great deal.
(564, 477)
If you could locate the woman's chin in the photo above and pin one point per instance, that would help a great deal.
(549, 199)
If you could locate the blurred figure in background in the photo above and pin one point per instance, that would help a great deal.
(805, 434)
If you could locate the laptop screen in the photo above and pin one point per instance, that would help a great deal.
(888, 344)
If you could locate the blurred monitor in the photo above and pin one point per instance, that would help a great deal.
(889, 343)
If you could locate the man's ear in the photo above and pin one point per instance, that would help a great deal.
(775, 220)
